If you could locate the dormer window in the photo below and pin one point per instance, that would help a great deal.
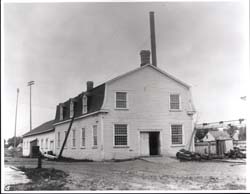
(84, 104)
(61, 112)
(73, 105)
(71, 109)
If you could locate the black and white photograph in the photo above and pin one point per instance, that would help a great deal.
(124, 96)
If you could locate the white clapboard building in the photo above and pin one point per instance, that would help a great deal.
(143, 112)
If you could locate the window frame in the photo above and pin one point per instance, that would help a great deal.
(41, 143)
(180, 108)
(58, 139)
(84, 104)
(93, 136)
(73, 138)
(121, 146)
(61, 112)
(71, 108)
(183, 135)
(46, 143)
(83, 146)
(127, 100)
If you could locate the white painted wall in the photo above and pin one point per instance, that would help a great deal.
(39, 137)
(78, 152)
(148, 109)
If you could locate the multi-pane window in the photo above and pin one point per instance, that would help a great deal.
(177, 134)
(74, 138)
(174, 101)
(120, 135)
(46, 144)
(84, 104)
(95, 135)
(121, 100)
(58, 139)
(83, 137)
(65, 134)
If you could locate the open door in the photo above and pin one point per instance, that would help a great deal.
(144, 144)
(154, 143)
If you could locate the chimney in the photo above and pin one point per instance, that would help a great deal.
(152, 34)
(145, 57)
(90, 85)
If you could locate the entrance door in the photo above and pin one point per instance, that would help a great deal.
(154, 143)
(144, 143)
(149, 143)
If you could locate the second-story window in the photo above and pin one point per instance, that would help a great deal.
(174, 102)
(84, 104)
(61, 112)
(71, 109)
(121, 100)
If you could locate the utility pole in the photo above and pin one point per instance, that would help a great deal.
(16, 118)
(30, 84)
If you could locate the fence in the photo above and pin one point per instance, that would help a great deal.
(205, 147)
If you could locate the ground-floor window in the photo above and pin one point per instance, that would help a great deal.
(46, 144)
(83, 137)
(58, 139)
(65, 134)
(95, 135)
(120, 135)
(42, 143)
(73, 138)
(177, 134)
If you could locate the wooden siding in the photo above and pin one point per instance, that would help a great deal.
(148, 108)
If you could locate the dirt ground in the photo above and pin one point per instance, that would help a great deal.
(158, 173)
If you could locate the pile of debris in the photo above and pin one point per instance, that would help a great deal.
(236, 153)
(187, 155)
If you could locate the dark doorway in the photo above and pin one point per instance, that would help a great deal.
(220, 147)
(154, 143)
(34, 148)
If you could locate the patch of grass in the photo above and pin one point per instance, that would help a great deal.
(42, 179)
(234, 186)
(64, 159)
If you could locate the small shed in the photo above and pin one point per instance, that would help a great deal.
(224, 142)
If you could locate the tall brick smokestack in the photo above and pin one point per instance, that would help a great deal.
(152, 35)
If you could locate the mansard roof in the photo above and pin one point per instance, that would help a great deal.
(95, 99)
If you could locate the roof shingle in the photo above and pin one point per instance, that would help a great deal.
(43, 128)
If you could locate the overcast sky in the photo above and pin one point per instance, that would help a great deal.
(62, 45)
